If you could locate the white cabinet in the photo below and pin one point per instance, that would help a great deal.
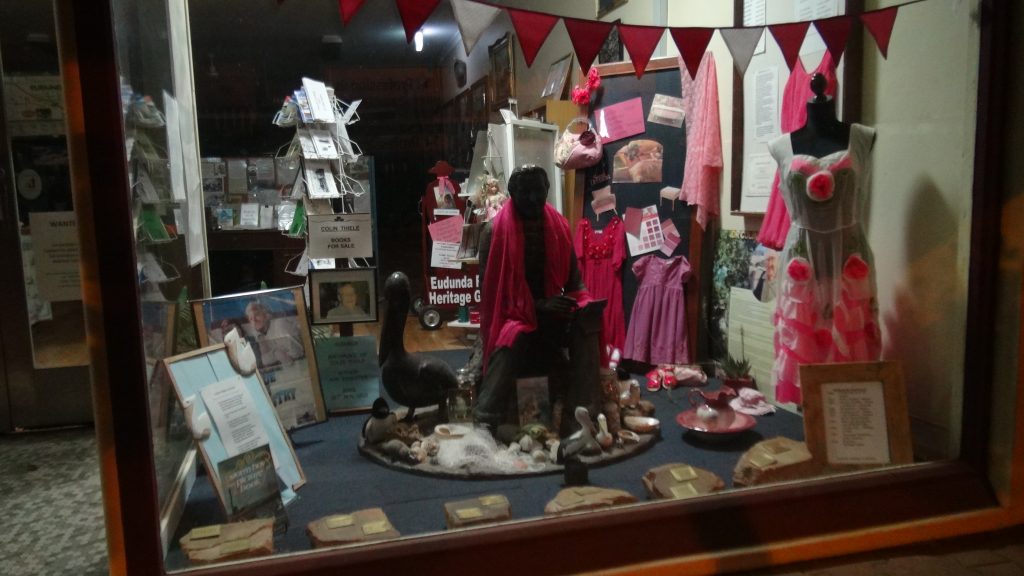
(528, 142)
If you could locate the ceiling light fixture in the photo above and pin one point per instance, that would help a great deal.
(418, 40)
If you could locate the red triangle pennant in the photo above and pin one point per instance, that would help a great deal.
(880, 24)
(348, 9)
(414, 13)
(790, 37)
(834, 32)
(587, 37)
(692, 43)
(532, 28)
(640, 41)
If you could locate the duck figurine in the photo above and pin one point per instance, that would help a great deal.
(413, 380)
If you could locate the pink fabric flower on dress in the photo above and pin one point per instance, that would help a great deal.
(855, 268)
(799, 269)
(820, 185)
(823, 338)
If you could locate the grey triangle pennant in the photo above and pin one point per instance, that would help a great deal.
(473, 19)
(741, 42)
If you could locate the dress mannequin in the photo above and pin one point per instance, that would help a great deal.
(823, 134)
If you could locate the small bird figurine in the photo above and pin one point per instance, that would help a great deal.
(380, 422)
(414, 380)
(582, 441)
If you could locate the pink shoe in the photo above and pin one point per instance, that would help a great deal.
(654, 380)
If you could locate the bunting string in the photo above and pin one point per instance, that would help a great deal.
(587, 36)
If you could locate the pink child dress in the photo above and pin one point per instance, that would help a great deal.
(827, 309)
(657, 327)
(600, 254)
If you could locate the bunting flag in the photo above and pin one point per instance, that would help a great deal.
(414, 13)
(879, 24)
(640, 41)
(532, 29)
(790, 37)
(692, 43)
(348, 9)
(472, 19)
(587, 37)
(741, 43)
(834, 32)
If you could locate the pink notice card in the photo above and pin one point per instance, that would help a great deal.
(447, 230)
(620, 120)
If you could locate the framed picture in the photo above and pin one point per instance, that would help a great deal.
(855, 414)
(343, 296)
(611, 50)
(558, 73)
(233, 414)
(273, 324)
(606, 6)
(501, 81)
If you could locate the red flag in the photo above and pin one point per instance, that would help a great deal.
(790, 37)
(587, 37)
(640, 41)
(880, 23)
(835, 32)
(532, 28)
(692, 43)
(414, 13)
(348, 9)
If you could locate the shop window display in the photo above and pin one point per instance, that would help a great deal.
(627, 402)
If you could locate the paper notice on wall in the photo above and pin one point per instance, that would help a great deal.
(804, 10)
(766, 103)
(55, 243)
(340, 236)
(754, 12)
(446, 230)
(442, 255)
(758, 175)
(174, 158)
(620, 120)
(855, 429)
(234, 413)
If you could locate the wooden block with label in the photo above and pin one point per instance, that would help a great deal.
(475, 511)
(221, 542)
(679, 480)
(359, 526)
(578, 499)
(775, 460)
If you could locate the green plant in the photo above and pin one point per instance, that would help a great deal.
(735, 368)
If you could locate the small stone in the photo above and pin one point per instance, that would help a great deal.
(641, 424)
(678, 480)
(369, 524)
(526, 443)
(581, 498)
(539, 455)
(514, 448)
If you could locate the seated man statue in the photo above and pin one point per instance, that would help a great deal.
(534, 306)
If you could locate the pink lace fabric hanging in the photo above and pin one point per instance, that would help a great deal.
(702, 171)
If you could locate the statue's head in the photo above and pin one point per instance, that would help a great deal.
(528, 187)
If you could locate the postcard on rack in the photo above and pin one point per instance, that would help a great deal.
(323, 142)
(320, 179)
(319, 100)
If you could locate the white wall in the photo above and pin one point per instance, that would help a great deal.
(922, 101)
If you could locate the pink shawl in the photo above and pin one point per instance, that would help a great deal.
(507, 309)
(702, 170)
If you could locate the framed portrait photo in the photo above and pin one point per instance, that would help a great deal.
(501, 80)
(267, 331)
(558, 73)
(343, 296)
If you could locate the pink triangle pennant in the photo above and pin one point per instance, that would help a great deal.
(348, 9)
(640, 41)
(533, 29)
(692, 43)
(587, 37)
(879, 23)
(414, 13)
(834, 32)
(790, 37)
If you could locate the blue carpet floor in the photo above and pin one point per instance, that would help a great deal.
(340, 480)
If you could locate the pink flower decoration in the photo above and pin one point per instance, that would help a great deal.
(580, 96)
(820, 186)
(799, 269)
(593, 79)
(855, 268)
